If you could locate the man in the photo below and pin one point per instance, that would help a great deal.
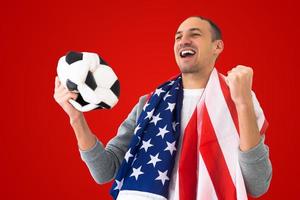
(215, 171)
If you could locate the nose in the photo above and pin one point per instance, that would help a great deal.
(185, 41)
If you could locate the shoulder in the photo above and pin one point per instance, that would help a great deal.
(140, 105)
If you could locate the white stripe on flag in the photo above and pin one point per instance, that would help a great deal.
(241, 192)
(205, 188)
(138, 195)
(258, 111)
(223, 125)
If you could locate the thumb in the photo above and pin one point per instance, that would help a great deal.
(226, 80)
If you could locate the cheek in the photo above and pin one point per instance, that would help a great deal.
(174, 48)
(205, 49)
(175, 51)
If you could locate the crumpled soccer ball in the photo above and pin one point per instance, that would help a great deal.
(90, 76)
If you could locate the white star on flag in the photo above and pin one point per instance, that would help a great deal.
(171, 106)
(155, 119)
(134, 159)
(162, 176)
(128, 155)
(158, 91)
(166, 96)
(162, 132)
(139, 140)
(119, 184)
(145, 106)
(136, 172)
(154, 159)
(137, 128)
(146, 145)
(149, 114)
(171, 82)
(171, 147)
(174, 124)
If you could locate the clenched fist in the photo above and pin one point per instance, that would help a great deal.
(239, 80)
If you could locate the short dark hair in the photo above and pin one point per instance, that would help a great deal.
(215, 30)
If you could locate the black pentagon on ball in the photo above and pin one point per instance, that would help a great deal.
(71, 86)
(115, 88)
(80, 100)
(103, 105)
(90, 81)
(73, 56)
(102, 61)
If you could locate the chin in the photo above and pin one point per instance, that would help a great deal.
(188, 69)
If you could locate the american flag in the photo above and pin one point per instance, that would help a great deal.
(148, 163)
(210, 171)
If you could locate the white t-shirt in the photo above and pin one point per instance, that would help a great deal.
(191, 98)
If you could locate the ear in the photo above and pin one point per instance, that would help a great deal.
(219, 46)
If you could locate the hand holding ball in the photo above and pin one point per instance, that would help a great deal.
(90, 76)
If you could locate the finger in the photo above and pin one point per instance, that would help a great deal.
(244, 68)
(240, 66)
(60, 89)
(74, 95)
(249, 69)
(68, 94)
(66, 98)
(234, 69)
(227, 80)
(58, 95)
(57, 82)
(62, 94)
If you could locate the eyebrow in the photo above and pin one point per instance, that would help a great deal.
(191, 29)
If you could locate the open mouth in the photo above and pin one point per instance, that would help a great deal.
(187, 53)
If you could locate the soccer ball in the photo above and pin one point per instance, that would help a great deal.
(90, 76)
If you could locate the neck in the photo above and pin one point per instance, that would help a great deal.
(196, 80)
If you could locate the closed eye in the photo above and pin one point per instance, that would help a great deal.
(191, 35)
(178, 37)
(196, 34)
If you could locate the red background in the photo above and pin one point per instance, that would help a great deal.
(39, 155)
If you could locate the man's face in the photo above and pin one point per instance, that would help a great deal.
(193, 47)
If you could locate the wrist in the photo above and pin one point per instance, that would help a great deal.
(77, 119)
(244, 104)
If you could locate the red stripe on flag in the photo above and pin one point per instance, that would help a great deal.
(214, 160)
(264, 127)
(188, 161)
(230, 103)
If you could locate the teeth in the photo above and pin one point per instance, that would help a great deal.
(186, 52)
